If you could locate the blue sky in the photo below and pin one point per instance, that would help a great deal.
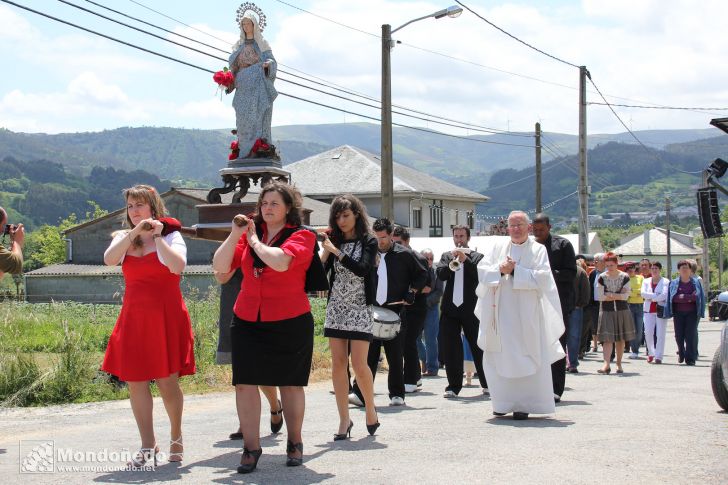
(59, 79)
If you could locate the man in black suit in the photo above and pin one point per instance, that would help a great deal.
(413, 318)
(563, 266)
(397, 279)
(456, 311)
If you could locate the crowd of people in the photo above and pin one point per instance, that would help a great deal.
(517, 315)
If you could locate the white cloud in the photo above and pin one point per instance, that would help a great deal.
(665, 52)
(85, 97)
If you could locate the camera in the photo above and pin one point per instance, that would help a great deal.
(9, 228)
(320, 236)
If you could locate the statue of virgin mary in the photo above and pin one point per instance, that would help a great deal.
(254, 67)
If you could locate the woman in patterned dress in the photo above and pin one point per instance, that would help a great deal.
(615, 319)
(349, 255)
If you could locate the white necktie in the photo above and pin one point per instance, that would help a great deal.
(382, 275)
(457, 288)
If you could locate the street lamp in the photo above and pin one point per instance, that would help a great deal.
(386, 150)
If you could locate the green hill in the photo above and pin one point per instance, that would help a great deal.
(197, 155)
(623, 177)
(43, 192)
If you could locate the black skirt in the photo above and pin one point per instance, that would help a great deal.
(272, 353)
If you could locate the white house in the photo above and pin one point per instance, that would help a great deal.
(652, 244)
(427, 205)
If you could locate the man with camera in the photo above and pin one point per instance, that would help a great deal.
(11, 261)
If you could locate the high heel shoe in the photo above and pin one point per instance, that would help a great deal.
(276, 427)
(143, 457)
(176, 454)
(346, 434)
(604, 371)
(291, 448)
(372, 428)
(249, 467)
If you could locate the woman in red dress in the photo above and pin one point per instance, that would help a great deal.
(152, 339)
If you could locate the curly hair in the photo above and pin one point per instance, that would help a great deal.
(291, 197)
(357, 207)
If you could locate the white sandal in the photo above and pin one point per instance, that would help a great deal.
(143, 457)
(179, 454)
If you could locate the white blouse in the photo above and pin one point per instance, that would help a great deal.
(174, 239)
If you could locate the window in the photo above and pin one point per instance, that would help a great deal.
(471, 219)
(416, 218)
(436, 218)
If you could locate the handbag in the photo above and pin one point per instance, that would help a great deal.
(315, 274)
(660, 311)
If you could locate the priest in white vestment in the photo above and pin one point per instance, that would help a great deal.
(520, 322)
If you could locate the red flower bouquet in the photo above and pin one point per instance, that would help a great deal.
(224, 79)
(234, 151)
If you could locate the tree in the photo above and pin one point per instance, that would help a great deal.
(45, 246)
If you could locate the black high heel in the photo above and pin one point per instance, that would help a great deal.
(346, 434)
(372, 428)
(249, 467)
(291, 448)
(276, 427)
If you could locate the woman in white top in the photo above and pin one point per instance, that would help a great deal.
(654, 291)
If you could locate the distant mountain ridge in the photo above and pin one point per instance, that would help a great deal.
(197, 155)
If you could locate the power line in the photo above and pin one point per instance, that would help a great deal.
(105, 36)
(180, 22)
(141, 30)
(466, 125)
(466, 61)
(282, 93)
(652, 153)
(469, 126)
(156, 26)
(329, 20)
(513, 36)
(641, 106)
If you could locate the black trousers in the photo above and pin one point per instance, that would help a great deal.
(686, 335)
(591, 318)
(451, 349)
(393, 351)
(558, 368)
(413, 321)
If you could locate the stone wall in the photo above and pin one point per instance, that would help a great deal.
(90, 241)
(102, 289)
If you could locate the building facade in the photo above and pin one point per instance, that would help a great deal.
(428, 206)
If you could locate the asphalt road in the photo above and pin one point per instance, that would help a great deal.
(653, 424)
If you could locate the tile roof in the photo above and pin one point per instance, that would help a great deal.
(103, 270)
(635, 245)
(347, 169)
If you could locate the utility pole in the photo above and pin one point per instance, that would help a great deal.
(669, 240)
(538, 167)
(706, 256)
(583, 188)
(387, 209)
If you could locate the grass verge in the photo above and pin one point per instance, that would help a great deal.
(50, 353)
